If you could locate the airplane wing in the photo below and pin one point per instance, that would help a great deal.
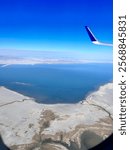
(93, 38)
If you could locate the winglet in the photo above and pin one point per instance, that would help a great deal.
(92, 37)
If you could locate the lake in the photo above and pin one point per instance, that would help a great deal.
(56, 83)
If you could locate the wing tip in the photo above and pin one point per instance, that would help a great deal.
(93, 38)
(91, 35)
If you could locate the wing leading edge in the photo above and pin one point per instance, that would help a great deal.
(93, 38)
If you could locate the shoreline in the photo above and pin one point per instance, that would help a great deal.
(53, 62)
(39, 101)
(29, 121)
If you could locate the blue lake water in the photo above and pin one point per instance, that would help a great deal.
(68, 83)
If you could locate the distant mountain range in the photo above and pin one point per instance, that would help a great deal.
(8, 57)
(8, 60)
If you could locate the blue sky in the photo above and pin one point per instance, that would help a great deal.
(56, 25)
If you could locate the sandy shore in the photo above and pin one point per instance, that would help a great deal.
(25, 124)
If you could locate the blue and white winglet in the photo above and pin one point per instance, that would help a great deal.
(93, 38)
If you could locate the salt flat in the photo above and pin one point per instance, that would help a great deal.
(26, 124)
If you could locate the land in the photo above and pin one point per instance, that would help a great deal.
(22, 57)
(28, 125)
(33, 61)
